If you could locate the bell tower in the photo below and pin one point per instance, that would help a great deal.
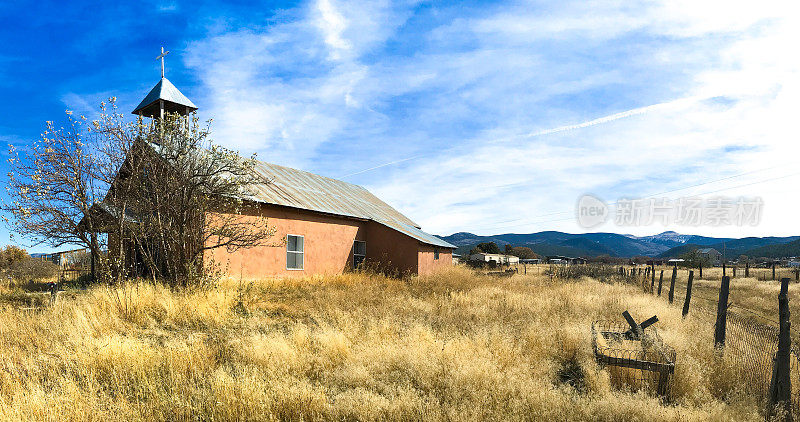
(164, 97)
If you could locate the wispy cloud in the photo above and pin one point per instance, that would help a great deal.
(332, 25)
(463, 118)
(167, 7)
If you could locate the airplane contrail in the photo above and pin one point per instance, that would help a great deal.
(384, 165)
(617, 116)
(598, 121)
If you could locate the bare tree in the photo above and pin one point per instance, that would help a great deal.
(162, 192)
(55, 182)
(185, 196)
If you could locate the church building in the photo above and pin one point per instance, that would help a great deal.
(327, 226)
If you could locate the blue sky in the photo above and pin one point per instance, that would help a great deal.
(480, 116)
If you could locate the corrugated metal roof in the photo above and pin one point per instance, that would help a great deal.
(418, 234)
(301, 189)
(165, 90)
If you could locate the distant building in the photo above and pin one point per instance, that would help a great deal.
(557, 259)
(496, 257)
(713, 255)
(531, 261)
(62, 259)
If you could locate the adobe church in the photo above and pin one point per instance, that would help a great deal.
(329, 226)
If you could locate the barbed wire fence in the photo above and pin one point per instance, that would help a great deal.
(750, 339)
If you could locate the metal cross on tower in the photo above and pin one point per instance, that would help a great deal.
(163, 53)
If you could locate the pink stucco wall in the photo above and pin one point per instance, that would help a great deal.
(329, 247)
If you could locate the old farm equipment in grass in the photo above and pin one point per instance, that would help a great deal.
(635, 356)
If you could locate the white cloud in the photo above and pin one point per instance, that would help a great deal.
(332, 24)
(499, 120)
(167, 7)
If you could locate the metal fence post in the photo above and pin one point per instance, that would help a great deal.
(780, 388)
(722, 313)
(688, 294)
(672, 283)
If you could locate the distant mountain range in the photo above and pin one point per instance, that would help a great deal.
(668, 244)
(777, 251)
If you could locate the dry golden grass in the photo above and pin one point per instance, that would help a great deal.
(452, 346)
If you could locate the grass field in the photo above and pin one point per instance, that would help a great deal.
(452, 346)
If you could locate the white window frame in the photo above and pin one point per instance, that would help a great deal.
(364, 255)
(302, 253)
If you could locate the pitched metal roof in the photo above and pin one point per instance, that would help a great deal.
(418, 234)
(300, 189)
(165, 90)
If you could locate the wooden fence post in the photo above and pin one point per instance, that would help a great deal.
(747, 269)
(796, 274)
(688, 294)
(92, 264)
(700, 276)
(660, 281)
(653, 279)
(734, 272)
(672, 283)
(636, 329)
(723, 269)
(773, 271)
(722, 313)
(53, 293)
(780, 388)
